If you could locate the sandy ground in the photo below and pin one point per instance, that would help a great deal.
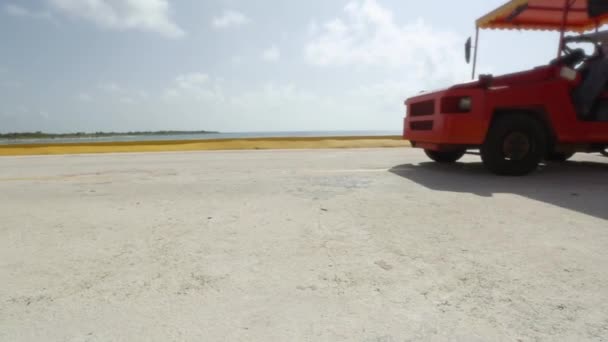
(327, 245)
(204, 145)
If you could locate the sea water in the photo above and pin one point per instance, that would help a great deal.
(200, 136)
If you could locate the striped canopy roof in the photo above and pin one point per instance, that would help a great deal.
(545, 15)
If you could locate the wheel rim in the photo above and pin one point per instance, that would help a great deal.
(516, 146)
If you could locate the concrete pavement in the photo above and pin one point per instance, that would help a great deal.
(324, 245)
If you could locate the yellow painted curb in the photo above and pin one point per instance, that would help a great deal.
(202, 145)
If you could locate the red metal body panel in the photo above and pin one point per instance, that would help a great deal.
(541, 90)
(450, 128)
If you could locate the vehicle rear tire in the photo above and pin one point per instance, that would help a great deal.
(515, 145)
(559, 157)
(445, 157)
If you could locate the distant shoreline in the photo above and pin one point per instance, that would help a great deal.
(43, 135)
(111, 137)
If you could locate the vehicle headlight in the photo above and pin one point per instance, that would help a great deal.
(568, 74)
(465, 104)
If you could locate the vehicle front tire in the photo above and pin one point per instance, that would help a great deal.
(515, 145)
(445, 157)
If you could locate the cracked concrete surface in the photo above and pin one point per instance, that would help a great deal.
(324, 245)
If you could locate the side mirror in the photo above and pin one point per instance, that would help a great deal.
(467, 50)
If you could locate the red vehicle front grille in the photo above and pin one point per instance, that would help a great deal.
(426, 125)
(423, 108)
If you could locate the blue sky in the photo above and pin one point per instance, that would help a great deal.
(236, 65)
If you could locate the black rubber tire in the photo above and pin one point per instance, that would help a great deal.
(605, 152)
(493, 152)
(445, 157)
(559, 157)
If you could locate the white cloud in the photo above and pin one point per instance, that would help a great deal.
(132, 97)
(144, 15)
(128, 100)
(194, 86)
(142, 94)
(115, 91)
(192, 81)
(367, 35)
(84, 97)
(215, 105)
(272, 54)
(200, 100)
(18, 11)
(237, 60)
(313, 28)
(111, 87)
(230, 19)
